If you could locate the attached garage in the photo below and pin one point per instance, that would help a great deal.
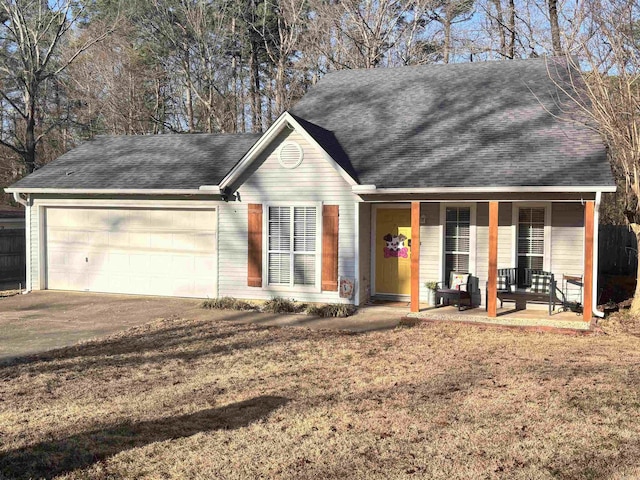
(150, 251)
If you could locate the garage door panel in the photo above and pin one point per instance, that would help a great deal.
(160, 241)
(97, 241)
(139, 262)
(182, 266)
(183, 220)
(140, 240)
(204, 242)
(58, 258)
(142, 251)
(137, 219)
(205, 266)
(119, 239)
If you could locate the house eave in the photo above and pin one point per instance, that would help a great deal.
(373, 190)
(204, 190)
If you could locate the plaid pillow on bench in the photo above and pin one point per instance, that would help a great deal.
(540, 283)
(503, 283)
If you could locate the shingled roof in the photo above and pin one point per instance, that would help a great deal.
(176, 161)
(486, 124)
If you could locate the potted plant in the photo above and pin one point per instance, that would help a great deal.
(431, 292)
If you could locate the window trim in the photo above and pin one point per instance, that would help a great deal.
(317, 287)
(515, 217)
(472, 236)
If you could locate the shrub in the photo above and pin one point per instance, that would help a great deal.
(332, 310)
(282, 305)
(228, 303)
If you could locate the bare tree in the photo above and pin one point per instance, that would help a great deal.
(555, 27)
(448, 13)
(31, 36)
(608, 95)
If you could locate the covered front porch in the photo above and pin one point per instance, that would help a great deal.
(517, 231)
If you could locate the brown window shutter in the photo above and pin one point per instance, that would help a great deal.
(330, 247)
(254, 273)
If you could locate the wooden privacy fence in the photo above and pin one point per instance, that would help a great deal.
(617, 250)
(12, 255)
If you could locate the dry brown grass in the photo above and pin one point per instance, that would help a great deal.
(196, 399)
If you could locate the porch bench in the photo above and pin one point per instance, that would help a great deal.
(536, 286)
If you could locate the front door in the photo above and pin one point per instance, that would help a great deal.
(393, 251)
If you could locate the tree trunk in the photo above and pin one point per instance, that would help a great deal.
(234, 78)
(447, 39)
(501, 32)
(512, 29)
(635, 304)
(254, 88)
(555, 28)
(30, 130)
(190, 115)
(280, 86)
(158, 124)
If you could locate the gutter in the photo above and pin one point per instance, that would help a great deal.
(596, 223)
(373, 190)
(18, 198)
(203, 190)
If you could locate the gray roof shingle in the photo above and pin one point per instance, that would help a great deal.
(459, 125)
(180, 161)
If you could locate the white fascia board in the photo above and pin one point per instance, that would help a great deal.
(118, 191)
(210, 189)
(254, 151)
(364, 189)
(264, 141)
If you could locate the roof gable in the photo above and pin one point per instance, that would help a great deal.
(284, 121)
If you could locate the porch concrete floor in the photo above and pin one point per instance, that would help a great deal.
(506, 316)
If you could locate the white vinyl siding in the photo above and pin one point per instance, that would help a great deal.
(567, 232)
(505, 254)
(291, 246)
(314, 181)
(457, 240)
(429, 246)
(530, 245)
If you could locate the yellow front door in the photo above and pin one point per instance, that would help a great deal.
(393, 253)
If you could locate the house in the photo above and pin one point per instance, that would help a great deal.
(384, 179)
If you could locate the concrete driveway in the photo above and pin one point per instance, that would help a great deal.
(44, 320)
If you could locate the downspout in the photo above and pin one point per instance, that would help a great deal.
(596, 223)
(19, 199)
(27, 232)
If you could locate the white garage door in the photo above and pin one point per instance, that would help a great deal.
(169, 252)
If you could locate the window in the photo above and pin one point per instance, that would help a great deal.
(531, 238)
(457, 240)
(292, 246)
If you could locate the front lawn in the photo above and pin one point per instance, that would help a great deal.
(201, 399)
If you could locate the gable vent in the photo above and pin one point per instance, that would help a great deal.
(290, 155)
